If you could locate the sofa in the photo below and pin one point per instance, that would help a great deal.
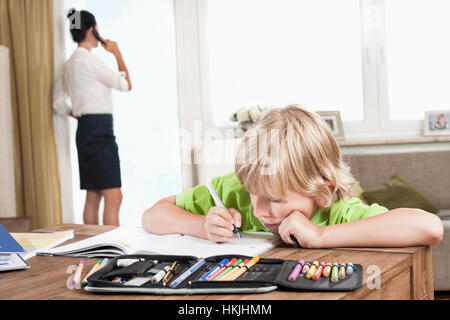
(430, 173)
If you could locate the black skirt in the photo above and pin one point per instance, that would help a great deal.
(98, 156)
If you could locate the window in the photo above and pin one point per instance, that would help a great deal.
(277, 52)
(145, 119)
(380, 63)
(418, 57)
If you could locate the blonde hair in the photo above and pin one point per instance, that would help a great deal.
(299, 153)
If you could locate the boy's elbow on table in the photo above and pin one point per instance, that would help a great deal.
(433, 227)
(436, 230)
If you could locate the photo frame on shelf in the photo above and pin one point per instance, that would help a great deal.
(437, 123)
(334, 120)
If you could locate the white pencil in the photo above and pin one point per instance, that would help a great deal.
(219, 202)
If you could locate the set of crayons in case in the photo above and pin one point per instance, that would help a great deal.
(315, 270)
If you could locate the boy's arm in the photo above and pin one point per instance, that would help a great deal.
(395, 228)
(165, 217)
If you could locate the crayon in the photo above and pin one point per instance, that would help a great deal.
(327, 270)
(342, 271)
(312, 269)
(350, 268)
(319, 271)
(334, 272)
(306, 267)
(296, 271)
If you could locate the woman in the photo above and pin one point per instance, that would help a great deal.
(87, 81)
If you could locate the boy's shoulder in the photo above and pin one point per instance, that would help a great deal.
(346, 210)
(226, 178)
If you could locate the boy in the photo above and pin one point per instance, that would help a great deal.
(291, 180)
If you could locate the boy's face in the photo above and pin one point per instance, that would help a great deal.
(273, 211)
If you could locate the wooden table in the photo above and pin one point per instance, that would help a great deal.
(405, 273)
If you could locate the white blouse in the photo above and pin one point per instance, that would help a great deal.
(87, 81)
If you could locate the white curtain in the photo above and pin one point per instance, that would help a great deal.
(7, 184)
(61, 124)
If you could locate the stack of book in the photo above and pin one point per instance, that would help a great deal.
(10, 251)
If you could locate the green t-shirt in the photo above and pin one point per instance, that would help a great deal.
(234, 195)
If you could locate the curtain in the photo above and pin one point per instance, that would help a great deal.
(26, 28)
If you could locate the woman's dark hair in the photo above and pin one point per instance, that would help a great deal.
(80, 22)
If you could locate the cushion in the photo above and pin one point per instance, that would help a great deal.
(397, 192)
(357, 191)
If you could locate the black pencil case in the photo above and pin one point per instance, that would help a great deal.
(267, 275)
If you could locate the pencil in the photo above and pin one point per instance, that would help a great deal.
(76, 278)
(229, 269)
(230, 275)
(249, 264)
(219, 203)
(94, 269)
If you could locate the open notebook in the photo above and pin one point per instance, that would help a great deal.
(124, 240)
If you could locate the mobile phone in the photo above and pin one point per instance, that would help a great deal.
(96, 35)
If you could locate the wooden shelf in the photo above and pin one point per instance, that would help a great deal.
(384, 141)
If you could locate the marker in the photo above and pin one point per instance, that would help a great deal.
(318, 272)
(312, 269)
(94, 269)
(157, 277)
(349, 268)
(335, 272)
(170, 273)
(327, 270)
(297, 269)
(230, 275)
(219, 202)
(187, 273)
(247, 266)
(217, 267)
(228, 270)
(214, 275)
(77, 277)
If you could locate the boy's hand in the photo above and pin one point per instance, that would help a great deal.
(219, 223)
(297, 225)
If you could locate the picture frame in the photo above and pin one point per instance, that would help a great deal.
(437, 123)
(333, 118)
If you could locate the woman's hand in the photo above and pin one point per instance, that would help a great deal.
(219, 223)
(298, 226)
(111, 46)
